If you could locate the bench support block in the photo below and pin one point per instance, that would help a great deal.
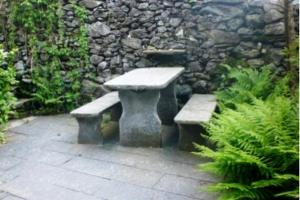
(116, 112)
(89, 130)
(139, 123)
(189, 134)
(167, 106)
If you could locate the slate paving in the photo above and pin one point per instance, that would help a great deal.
(42, 160)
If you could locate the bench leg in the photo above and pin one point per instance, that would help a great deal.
(89, 130)
(189, 134)
(167, 106)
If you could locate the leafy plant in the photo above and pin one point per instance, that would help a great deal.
(7, 80)
(292, 55)
(245, 85)
(257, 150)
(55, 60)
(256, 138)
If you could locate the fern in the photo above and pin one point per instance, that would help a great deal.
(256, 138)
(246, 84)
(256, 150)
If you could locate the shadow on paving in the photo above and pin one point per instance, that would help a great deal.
(42, 160)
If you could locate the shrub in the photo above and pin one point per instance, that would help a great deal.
(56, 57)
(256, 139)
(7, 80)
(53, 92)
(257, 150)
(292, 55)
(245, 84)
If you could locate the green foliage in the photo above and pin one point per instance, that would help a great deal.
(7, 80)
(55, 61)
(52, 91)
(256, 138)
(257, 150)
(292, 54)
(106, 118)
(246, 84)
(220, 77)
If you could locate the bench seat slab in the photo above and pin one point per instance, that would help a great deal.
(95, 108)
(89, 117)
(198, 109)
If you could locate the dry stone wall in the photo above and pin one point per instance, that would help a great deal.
(211, 31)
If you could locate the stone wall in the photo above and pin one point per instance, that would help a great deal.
(211, 32)
(295, 4)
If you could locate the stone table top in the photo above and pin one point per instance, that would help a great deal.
(146, 78)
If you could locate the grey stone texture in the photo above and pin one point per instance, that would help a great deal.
(140, 124)
(199, 109)
(89, 130)
(89, 118)
(167, 105)
(210, 31)
(132, 43)
(148, 100)
(96, 107)
(49, 164)
(98, 29)
(190, 134)
(146, 78)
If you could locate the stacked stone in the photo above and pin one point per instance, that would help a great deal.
(22, 58)
(295, 4)
(209, 30)
(71, 28)
(3, 13)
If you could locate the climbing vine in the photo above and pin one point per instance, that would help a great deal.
(56, 57)
(7, 81)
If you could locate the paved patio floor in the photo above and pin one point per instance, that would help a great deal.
(42, 161)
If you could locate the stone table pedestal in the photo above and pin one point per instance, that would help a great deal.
(167, 106)
(139, 123)
(148, 99)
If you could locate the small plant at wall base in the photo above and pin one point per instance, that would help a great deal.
(256, 142)
(56, 58)
(7, 81)
(292, 55)
(245, 84)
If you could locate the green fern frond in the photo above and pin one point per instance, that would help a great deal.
(291, 194)
(257, 141)
(247, 85)
(277, 180)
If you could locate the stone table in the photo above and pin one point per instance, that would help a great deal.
(148, 100)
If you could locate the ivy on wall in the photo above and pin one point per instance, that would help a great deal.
(56, 58)
(7, 81)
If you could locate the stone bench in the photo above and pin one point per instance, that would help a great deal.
(197, 110)
(89, 117)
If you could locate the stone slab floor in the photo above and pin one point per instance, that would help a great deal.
(42, 160)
